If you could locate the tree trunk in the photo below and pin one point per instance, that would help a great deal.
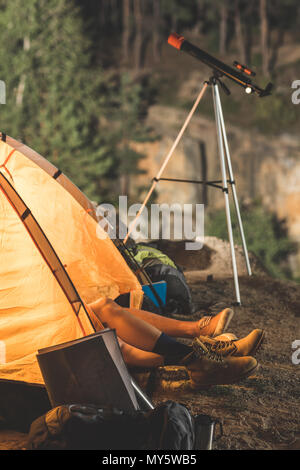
(21, 85)
(126, 30)
(239, 32)
(223, 28)
(138, 44)
(200, 16)
(156, 31)
(114, 13)
(174, 19)
(20, 90)
(264, 33)
(102, 14)
(274, 48)
(250, 12)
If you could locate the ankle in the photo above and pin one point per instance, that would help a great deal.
(197, 328)
(191, 329)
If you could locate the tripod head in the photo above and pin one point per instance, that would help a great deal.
(216, 78)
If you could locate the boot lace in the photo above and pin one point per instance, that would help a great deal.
(222, 347)
(203, 322)
(201, 349)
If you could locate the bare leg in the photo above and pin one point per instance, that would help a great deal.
(131, 329)
(137, 358)
(169, 326)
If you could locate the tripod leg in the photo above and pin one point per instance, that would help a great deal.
(231, 177)
(166, 161)
(225, 190)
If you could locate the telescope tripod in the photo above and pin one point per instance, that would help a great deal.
(224, 153)
(223, 184)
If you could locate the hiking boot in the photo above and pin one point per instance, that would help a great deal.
(226, 337)
(215, 325)
(243, 347)
(207, 368)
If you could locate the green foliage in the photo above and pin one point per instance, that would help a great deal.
(182, 12)
(265, 236)
(53, 96)
(58, 100)
(276, 114)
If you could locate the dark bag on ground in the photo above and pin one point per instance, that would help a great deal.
(179, 300)
(160, 267)
(87, 427)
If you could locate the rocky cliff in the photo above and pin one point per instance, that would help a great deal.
(265, 168)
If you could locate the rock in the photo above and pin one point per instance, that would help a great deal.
(213, 259)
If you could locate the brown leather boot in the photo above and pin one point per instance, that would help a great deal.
(206, 368)
(243, 347)
(226, 337)
(215, 325)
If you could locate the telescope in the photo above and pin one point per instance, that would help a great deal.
(241, 76)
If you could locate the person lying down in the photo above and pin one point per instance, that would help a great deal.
(148, 340)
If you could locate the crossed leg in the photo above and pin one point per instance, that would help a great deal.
(142, 334)
(139, 330)
(131, 329)
(135, 357)
(169, 326)
(139, 327)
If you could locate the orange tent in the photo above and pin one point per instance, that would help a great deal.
(51, 261)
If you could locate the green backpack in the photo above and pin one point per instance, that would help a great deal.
(146, 255)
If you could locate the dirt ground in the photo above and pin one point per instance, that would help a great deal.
(263, 411)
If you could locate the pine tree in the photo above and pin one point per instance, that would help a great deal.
(55, 97)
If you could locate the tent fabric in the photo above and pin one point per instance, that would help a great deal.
(81, 198)
(52, 171)
(34, 309)
(35, 312)
(41, 242)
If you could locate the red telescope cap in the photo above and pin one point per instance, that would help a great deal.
(175, 40)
